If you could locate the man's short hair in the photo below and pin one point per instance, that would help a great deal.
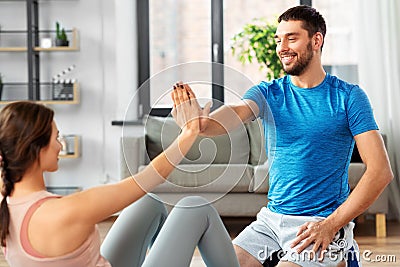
(312, 20)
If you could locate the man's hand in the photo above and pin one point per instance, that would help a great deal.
(186, 91)
(320, 234)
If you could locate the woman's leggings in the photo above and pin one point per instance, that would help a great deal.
(173, 239)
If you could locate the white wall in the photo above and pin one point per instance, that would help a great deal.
(106, 70)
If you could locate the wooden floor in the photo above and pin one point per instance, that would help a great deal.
(375, 252)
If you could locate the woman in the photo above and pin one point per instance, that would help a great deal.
(42, 229)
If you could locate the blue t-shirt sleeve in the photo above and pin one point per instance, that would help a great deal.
(255, 94)
(359, 112)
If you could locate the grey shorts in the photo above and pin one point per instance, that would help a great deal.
(272, 233)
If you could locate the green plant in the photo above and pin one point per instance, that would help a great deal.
(256, 41)
(60, 32)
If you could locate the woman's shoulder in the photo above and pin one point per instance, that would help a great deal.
(54, 220)
(31, 198)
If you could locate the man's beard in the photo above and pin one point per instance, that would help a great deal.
(302, 63)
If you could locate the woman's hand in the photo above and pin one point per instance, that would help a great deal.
(187, 112)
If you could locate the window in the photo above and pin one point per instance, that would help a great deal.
(339, 55)
(172, 32)
(179, 33)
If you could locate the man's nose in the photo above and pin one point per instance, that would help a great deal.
(283, 46)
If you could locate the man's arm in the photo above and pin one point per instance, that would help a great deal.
(376, 177)
(228, 118)
(223, 119)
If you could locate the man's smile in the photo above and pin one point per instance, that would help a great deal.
(287, 58)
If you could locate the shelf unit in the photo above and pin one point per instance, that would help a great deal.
(33, 51)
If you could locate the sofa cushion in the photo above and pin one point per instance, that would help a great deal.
(156, 137)
(215, 178)
(260, 182)
(232, 204)
(161, 132)
(255, 131)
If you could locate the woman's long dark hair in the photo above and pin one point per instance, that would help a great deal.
(25, 128)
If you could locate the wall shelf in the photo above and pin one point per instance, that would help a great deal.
(74, 101)
(73, 47)
(72, 149)
(13, 49)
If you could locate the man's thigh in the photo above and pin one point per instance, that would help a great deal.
(267, 240)
(333, 256)
(258, 241)
(291, 264)
(287, 264)
(246, 259)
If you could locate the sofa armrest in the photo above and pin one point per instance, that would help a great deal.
(356, 171)
(381, 205)
(260, 181)
(132, 155)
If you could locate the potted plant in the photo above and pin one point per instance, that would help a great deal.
(256, 41)
(61, 36)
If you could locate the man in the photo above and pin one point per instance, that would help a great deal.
(317, 118)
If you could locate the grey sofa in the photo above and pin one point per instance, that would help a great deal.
(231, 171)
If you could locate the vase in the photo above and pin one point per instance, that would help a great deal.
(62, 42)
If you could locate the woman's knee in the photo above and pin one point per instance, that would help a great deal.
(149, 203)
(195, 205)
(192, 202)
(155, 203)
(153, 199)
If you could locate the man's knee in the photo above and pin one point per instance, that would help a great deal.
(245, 258)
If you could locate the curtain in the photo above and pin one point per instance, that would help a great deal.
(378, 46)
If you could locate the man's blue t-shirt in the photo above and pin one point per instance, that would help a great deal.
(309, 139)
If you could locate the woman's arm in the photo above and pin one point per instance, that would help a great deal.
(86, 208)
(96, 204)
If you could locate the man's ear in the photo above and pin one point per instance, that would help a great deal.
(318, 40)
